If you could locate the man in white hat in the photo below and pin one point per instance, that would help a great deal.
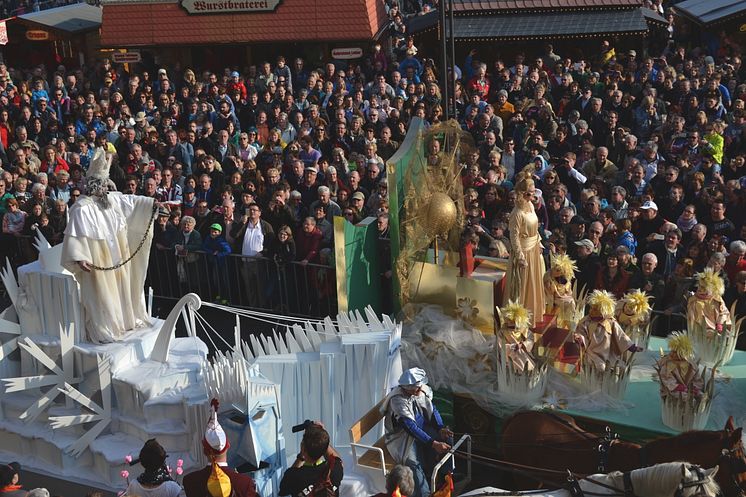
(106, 247)
(217, 479)
(415, 432)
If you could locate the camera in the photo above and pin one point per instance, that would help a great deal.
(302, 427)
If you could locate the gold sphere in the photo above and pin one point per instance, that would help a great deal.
(440, 215)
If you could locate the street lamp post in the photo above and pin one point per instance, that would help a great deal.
(444, 60)
(452, 79)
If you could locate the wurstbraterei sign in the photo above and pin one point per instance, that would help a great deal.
(229, 6)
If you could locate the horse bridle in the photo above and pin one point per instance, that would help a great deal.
(628, 491)
(698, 484)
(737, 465)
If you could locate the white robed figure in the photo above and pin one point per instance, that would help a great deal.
(104, 231)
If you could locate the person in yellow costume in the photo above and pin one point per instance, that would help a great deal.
(601, 338)
(519, 339)
(558, 289)
(677, 371)
(706, 312)
(523, 280)
(633, 311)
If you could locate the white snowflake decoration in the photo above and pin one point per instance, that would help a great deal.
(467, 309)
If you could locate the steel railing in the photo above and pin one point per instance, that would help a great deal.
(250, 282)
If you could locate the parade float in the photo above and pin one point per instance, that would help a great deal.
(452, 323)
(78, 410)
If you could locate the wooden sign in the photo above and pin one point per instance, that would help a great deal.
(347, 53)
(126, 57)
(37, 35)
(229, 6)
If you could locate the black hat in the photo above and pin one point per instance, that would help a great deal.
(577, 220)
(7, 472)
(189, 189)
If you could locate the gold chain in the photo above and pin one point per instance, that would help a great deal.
(139, 247)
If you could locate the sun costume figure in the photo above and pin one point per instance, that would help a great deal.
(706, 313)
(601, 338)
(677, 371)
(519, 340)
(558, 289)
(633, 311)
(113, 232)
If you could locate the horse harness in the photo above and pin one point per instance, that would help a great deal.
(603, 449)
(573, 485)
(604, 444)
(737, 466)
(699, 484)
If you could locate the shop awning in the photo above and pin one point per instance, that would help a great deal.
(549, 25)
(73, 18)
(711, 11)
(420, 23)
(534, 5)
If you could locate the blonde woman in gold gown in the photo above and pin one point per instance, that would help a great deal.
(524, 278)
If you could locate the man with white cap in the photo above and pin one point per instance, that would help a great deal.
(648, 226)
(217, 479)
(415, 432)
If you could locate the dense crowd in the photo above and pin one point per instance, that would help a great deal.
(639, 158)
(10, 8)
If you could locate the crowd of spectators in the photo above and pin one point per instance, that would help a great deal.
(639, 158)
(10, 8)
(639, 165)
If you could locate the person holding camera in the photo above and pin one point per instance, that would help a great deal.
(415, 433)
(317, 471)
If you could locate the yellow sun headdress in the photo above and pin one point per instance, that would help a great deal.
(565, 265)
(638, 302)
(711, 282)
(517, 314)
(681, 344)
(603, 301)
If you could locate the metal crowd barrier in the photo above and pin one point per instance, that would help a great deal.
(250, 282)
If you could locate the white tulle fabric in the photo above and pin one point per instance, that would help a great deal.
(460, 359)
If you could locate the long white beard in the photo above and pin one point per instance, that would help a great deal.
(98, 190)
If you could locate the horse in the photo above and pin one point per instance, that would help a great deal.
(671, 479)
(554, 441)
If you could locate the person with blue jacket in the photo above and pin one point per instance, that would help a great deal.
(216, 248)
(415, 432)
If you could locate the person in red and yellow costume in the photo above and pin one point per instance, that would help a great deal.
(677, 371)
(217, 479)
(558, 289)
(519, 339)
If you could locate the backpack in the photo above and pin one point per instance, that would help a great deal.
(324, 486)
